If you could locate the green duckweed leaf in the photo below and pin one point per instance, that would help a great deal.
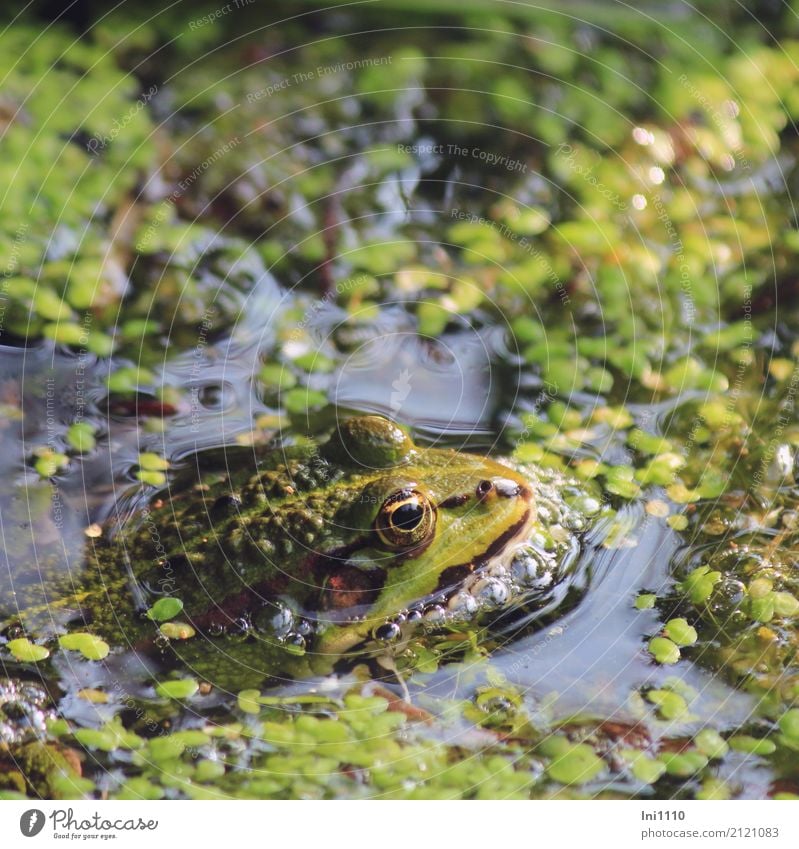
(81, 438)
(575, 764)
(711, 743)
(670, 705)
(684, 764)
(664, 650)
(151, 478)
(789, 724)
(151, 462)
(680, 632)
(130, 380)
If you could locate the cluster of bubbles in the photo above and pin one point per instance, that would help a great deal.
(529, 570)
(278, 622)
(524, 573)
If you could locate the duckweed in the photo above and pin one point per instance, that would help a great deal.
(176, 630)
(684, 764)
(151, 462)
(108, 739)
(670, 705)
(49, 463)
(183, 688)
(751, 745)
(151, 478)
(249, 701)
(90, 646)
(680, 632)
(645, 769)
(789, 724)
(711, 744)
(81, 438)
(785, 605)
(572, 763)
(146, 296)
(678, 522)
(130, 379)
(700, 583)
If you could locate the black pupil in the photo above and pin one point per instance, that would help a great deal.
(407, 516)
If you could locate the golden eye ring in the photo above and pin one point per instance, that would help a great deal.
(406, 519)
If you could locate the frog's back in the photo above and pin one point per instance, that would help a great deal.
(240, 522)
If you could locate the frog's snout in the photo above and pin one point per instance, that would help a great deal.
(510, 489)
(501, 488)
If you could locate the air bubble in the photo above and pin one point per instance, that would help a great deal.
(574, 521)
(588, 505)
(434, 613)
(295, 639)
(240, 629)
(545, 514)
(497, 570)
(389, 632)
(530, 568)
(274, 619)
(161, 641)
(304, 627)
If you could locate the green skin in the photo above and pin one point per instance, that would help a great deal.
(302, 530)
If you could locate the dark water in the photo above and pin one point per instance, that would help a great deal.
(581, 656)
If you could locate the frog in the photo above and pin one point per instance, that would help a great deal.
(286, 560)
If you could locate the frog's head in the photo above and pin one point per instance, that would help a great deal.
(419, 521)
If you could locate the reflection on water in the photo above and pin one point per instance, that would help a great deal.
(591, 656)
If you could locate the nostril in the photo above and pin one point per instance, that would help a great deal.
(484, 488)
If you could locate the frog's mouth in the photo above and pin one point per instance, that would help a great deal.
(454, 576)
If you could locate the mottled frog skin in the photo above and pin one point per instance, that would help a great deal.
(322, 552)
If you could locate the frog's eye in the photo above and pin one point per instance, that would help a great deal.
(406, 519)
